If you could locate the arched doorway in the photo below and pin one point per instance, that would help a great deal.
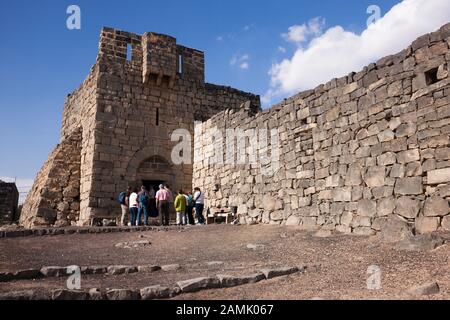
(154, 171)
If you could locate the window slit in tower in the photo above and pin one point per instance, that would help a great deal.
(157, 116)
(129, 52)
(180, 64)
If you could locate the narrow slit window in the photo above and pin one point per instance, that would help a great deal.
(157, 116)
(129, 52)
(180, 64)
(431, 76)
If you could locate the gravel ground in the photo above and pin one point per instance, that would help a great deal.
(337, 264)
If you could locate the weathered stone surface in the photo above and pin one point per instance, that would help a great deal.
(409, 186)
(122, 294)
(232, 281)
(149, 268)
(253, 246)
(156, 292)
(385, 207)
(375, 177)
(408, 156)
(96, 294)
(54, 271)
(293, 221)
(27, 274)
(378, 134)
(133, 244)
(276, 272)
(425, 242)
(445, 224)
(64, 294)
(425, 289)
(426, 224)
(436, 207)
(198, 284)
(406, 207)
(395, 229)
(115, 270)
(94, 270)
(367, 208)
(438, 176)
(171, 267)
(17, 295)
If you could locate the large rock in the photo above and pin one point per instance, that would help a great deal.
(395, 229)
(54, 271)
(367, 208)
(407, 207)
(445, 224)
(425, 289)
(232, 281)
(436, 207)
(385, 207)
(375, 177)
(94, 270)
(408, 156)
(27, 274)
(409, 186)
(148, 268)
(116, 270)
(122, 294)
(269, 203)
(17, 295)
(156, 292)
(438, 176)
(426, 224)
(276, 272)
(96, 294)
(425, 242)
(64, 294)
(293, 221)
(171, 267)
(198, 284)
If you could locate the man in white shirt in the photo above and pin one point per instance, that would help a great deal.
(134, 206)
(199, 200)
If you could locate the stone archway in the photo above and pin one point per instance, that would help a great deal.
(149, 164)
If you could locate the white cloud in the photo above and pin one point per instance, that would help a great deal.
(338, 52)
(282, 49)
(23, 185)
(300, 33)
(244, 65)
(243, 61)
(219, 38)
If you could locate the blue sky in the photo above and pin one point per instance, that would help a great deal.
(41, 61)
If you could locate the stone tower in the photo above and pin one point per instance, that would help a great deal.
(117, 126)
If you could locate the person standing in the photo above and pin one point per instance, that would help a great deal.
(153, 211)
(199, 200)
(124, 198)
(180, 208)
(144, 201)
(190, 208)
(134, 207)
(162, 203)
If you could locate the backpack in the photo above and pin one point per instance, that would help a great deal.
(122, 197)
(143, 198)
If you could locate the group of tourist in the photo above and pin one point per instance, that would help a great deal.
(148, 203)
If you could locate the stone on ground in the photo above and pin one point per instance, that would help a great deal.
(156, 292)
(64, 294)
(276, 272)
(122, 294)
(197, 284)
(425, 289)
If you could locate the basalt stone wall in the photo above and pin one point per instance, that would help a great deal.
(353, 153)
(55, 196)
(141, 89)
(9, 200)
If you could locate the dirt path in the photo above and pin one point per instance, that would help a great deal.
(338, 263)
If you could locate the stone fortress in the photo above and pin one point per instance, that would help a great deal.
(357, 154)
